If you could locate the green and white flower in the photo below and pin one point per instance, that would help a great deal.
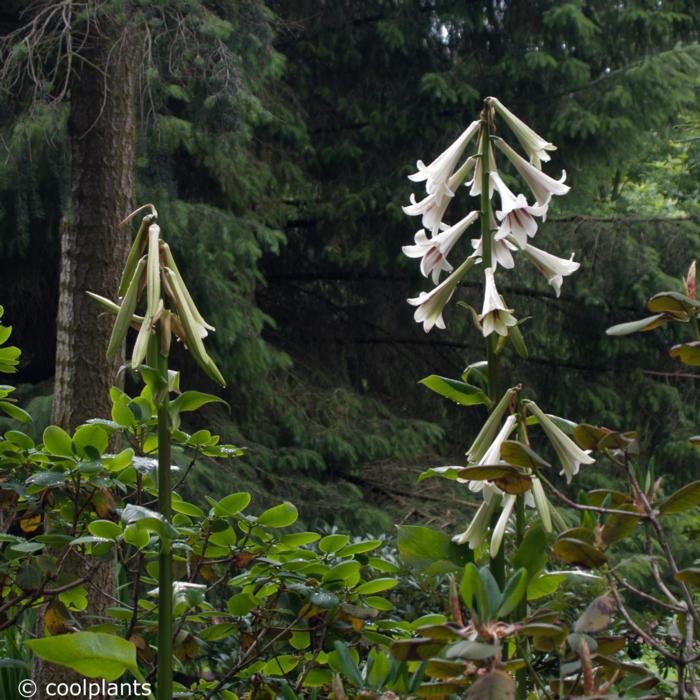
(434, 251)
(431, 304)
(570, 455)
(551, 266)
(533, 144)
(542, 185)
(432, 208)
(495, 316)
(437, 174)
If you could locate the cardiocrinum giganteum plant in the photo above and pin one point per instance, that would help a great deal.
(505, 646)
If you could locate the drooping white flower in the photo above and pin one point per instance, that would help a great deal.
(571, 456)
(551, 266)
(542, 502)
(431, 304)
(517, 217)
(492, 456)
(542, 186)
(533, 144)
(475, 183)
(489, 429)
(432, 207)
(500, 529)
(434, 251)
(495, 316)
(437, 174)
(479, 524)
(500, 252)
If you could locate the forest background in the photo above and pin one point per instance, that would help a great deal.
(280, 189)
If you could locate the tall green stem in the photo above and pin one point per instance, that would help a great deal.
(164, 686)
(498, 563)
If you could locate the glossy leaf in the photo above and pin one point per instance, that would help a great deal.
(455, 390)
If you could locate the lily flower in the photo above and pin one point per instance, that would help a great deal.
(431, 304)
(437, 174)
(494, 314)
(570, 454)
(432, 208)
(542, 503)
(500, 529)
(489, 430)
(551, 266)
(500, 252)
(434, 251)
(476, 180)
(542, 186)
(476, 531)
(533, 144)
(517, 217)
(492, 456)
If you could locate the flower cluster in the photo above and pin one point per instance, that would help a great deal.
(509, 229)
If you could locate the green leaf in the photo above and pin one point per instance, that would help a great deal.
(332, 543)
(532, 551)
(280, 665)
(347, 664)
(148, 520)
(279, 516)
(92, 654)
(74, 598)
(512, 593)
(687, 353)
(690, 576)
(685, 498)
(578, 552)
(241, 604)
(359, 548)
(192, 400)
(644, 324)
(423, 548)
(105, 528)
(232, 504)
(58, 442)
(88, 438)
(376, 586)
(672, 302)
(473, 591)
(544, 585)
(455, 390)
(619, 527)
(345, 572)
(19, 414)
(520, 455)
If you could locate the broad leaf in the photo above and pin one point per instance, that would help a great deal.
(92, 654)
(496, 685)
(455, 390)
(684, 499)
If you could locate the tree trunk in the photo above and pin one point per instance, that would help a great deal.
(93, 252)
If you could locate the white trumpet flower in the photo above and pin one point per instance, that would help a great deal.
(437, 174)
(517, 217)
(551, 266)
(431, 304)
(479, 524)
(434, 251)
(571, 456)
(492, 456)
(432, 208)
(533, 144)
(500, 529)
(495, 316)
(500, 252)
(542, 185)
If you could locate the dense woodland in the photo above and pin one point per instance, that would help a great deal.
(275, 139)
